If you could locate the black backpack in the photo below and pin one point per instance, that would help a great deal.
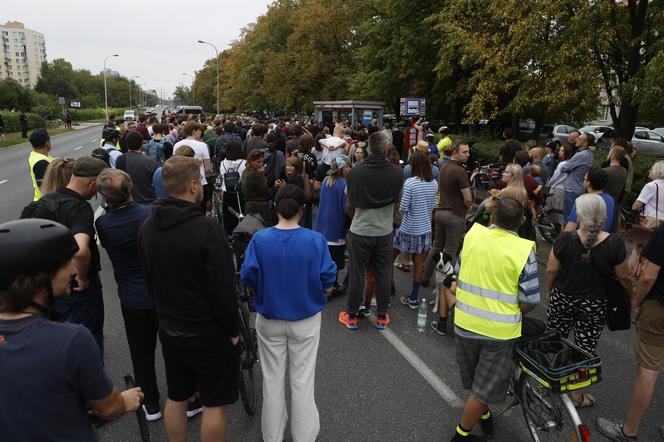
(102, 154)
(48, 207)
(232, 179)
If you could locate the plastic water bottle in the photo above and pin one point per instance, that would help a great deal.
(422, 312)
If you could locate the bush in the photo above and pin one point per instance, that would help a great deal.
(94, 113)
(12, 123)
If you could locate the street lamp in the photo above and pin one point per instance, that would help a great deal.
(193, 94)
(105, 90)
(217, 52)
(130, 88)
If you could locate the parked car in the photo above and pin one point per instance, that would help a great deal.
(659, 130)
(604, 135)
(129, 115)
(648, 142)
(554, 132)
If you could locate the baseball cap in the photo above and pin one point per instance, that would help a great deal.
(38, 137)
(88, 167)
(442, 129)
(338, 162)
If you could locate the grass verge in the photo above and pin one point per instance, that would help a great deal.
(13, 138)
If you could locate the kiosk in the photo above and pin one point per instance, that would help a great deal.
(352, 110)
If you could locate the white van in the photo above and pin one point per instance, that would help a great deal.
(129, 115)
(186, 110)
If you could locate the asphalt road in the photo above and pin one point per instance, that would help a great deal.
(396, 385)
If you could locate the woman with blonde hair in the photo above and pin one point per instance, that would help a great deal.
(579, 304)
(57, 175)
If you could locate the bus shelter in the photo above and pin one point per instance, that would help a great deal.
(352, 110)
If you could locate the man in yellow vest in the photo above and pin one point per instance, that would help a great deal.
(39, 158)
(497, 283)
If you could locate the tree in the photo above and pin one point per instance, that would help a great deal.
(525, 59)
(626, 36)
(14, 96)
(57, 78)
(183, 95)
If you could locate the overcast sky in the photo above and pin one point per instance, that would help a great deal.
(156, 40)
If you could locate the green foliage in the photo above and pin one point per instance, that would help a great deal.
(14, 96)
(12, 122)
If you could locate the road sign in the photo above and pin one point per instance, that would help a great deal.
(61, 100)
(75, 104)
(412, 107)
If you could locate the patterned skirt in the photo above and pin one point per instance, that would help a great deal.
(415, 244)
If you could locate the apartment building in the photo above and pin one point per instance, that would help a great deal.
(23, 51)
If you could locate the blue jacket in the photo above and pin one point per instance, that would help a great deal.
(576, 168)
(290, 270)
(332, 211)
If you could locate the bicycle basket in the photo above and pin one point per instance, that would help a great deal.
(558, 364)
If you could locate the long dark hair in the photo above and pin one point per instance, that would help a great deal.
(289, 201)
(421, 166)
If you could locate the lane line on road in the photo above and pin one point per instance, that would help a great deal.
(79, 147)
(93, 140)
(3, 181)
(422, 368)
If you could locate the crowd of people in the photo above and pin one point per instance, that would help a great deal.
(330, 198)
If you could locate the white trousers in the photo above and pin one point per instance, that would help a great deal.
(295, 343)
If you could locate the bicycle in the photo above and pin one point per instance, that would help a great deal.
(541, 384)
(248, 342)
(547, 222)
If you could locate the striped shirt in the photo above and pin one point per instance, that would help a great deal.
(529, 288)
(417, 203)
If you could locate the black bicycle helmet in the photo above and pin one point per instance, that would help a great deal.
(31, 246)
(109, 133)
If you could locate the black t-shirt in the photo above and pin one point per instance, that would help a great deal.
(48, 373)
(508, 149)
(77, 214)
(310, 163)
(397, 139)
(141, 169)
(654, 252)
(576, 278)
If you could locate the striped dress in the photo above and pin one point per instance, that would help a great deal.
(417, 203)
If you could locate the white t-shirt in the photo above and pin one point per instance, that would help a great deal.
(201, 152)
(647, 197)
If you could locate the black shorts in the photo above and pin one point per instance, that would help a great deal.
(209, 365)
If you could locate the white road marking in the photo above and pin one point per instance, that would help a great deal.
(3, 181)
(422, 368)
(93, 140)
(79, 147)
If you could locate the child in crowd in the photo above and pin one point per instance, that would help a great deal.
(535, 172)
(332, 221)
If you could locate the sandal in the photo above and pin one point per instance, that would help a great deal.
(586, 401)
(404, 267)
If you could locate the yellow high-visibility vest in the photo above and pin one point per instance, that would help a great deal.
(33, 159)
(487, 295)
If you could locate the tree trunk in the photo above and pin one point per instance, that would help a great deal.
(626, 121)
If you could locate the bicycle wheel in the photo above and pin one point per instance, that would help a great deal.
(549, 416)
(217, 207)
(247, 362)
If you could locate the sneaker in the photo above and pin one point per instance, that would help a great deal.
(363, 311)
(440, 326)
(350, 323)
(382, 321)
(194, 408)
(412, 303)
(612, 430)
(487, 426)
(470, 438)
(152, 412)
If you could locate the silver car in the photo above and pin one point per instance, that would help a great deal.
(648, 142)
(557, 132)
(659, 130)
(604, 135)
